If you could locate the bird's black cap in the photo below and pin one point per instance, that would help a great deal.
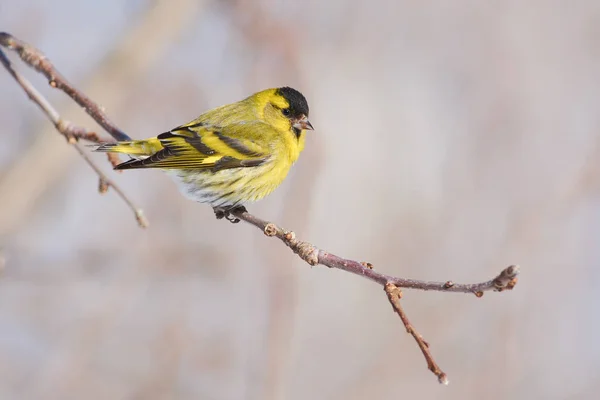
(298, 104)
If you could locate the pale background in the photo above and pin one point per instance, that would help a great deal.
(451, 140)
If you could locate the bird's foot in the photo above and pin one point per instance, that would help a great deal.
(226, 213)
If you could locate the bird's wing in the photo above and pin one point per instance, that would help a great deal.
(202, 146)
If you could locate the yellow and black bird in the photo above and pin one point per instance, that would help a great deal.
(231, 155)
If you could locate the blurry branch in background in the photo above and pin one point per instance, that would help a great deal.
(506, 280)
(34, 58)
(38, 61)
(118, 68)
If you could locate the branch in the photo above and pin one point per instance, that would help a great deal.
(507, 278)
(38, 61)
(394, 295)
(71, 132)
(311, 254)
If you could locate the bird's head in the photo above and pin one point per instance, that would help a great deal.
(286, 109)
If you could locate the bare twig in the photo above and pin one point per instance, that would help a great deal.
(313, 256)
(506, 280)
(37, 60)
(105, 182)
(394, 295)
(71, 132)
(139, 46)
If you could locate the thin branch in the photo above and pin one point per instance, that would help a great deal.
(505, 280)
(394, 295)
(72, 133)
(105, 183)
(37, 60)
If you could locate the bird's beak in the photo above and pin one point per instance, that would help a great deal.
(303, 123)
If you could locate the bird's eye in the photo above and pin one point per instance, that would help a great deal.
(286, 112)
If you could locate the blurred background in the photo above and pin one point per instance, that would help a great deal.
(451, 140)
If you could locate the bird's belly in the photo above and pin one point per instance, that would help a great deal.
(230, 187)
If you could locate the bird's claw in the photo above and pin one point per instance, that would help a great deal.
(221, 213)
(231, 219)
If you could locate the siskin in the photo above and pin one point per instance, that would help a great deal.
(231, 155)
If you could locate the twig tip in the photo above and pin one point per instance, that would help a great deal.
(507, 278)
(443, 379)
(513, 270)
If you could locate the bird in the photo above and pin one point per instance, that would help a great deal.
(231, 155)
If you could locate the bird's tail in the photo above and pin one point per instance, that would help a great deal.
(134, 148)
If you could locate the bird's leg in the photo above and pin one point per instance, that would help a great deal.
(221, 213)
